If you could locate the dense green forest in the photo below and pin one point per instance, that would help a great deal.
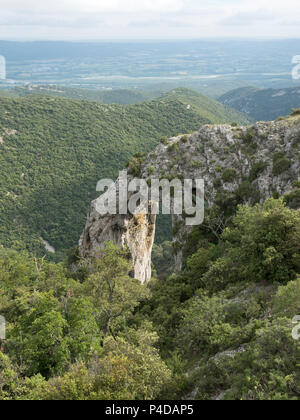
(220, 329)
(107, 96)
(53, 151)
(263, 104)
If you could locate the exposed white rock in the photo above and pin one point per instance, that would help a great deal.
(48, 247)
(136, 232)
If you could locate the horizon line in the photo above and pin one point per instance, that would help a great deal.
(162, 39)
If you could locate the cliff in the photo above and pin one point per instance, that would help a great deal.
(238, 164)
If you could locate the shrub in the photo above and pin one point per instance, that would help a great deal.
(265, 241)
(280, 163)
(287, 300)
(151, 170)
(247, 191)
(249, 136)
(184, 139)
(173, 147)
(257, 169)
(217, 183)
(195, 164)
(255, 373)
(292, 200)
(135, 164)
(229, 175)
(164, 140)
(295, 112)
(296, 184)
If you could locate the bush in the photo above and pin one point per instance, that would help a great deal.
(248, 137)
(229, 175)
(184, 139)
(124, 371)
(292, 200)
(247, 191)
(173, 147)
(195, 164)
(295, 112)
(257, 169)
(164, 140)
(217, 183)
(135, 164)
(280, 163)
(287, 300)
(262, 245)
(254, 372)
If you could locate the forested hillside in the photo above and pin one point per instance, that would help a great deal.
(53, 151)
(212, 110)
(220, 329)
(263, 104)
(107, 96)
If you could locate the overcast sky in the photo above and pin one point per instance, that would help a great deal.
(142, 19)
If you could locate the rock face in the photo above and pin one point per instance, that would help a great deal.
(238, 164)
(136, 232)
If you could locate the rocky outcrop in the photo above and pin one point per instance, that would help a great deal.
(136, 232)
(238, 164)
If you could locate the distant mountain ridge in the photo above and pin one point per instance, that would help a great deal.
(211, 109)
(107, 96)
(263, 104)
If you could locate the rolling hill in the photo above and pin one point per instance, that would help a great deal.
(53, 151)
(107, 96)
(263, 104)
(206, 107)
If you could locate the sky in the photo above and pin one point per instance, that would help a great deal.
(147, 19)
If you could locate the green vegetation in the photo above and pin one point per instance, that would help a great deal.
(280, 163)
(263, 104)
(292, 199)
(84, 329)
(135, 164)
(53, 152)
(295, 112)
(221, 328)
(229, 175)
(71, 340)
(257, 169)
(232, 308)
(184, 139)
(210, 109)
(109, 96)
(173, 147)
(164, 140)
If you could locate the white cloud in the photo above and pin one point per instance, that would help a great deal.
(87, 19)
(92, 6)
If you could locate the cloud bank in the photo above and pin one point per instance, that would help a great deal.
(140, 19)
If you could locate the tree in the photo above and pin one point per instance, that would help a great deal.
(262, 245)
(113, 292)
